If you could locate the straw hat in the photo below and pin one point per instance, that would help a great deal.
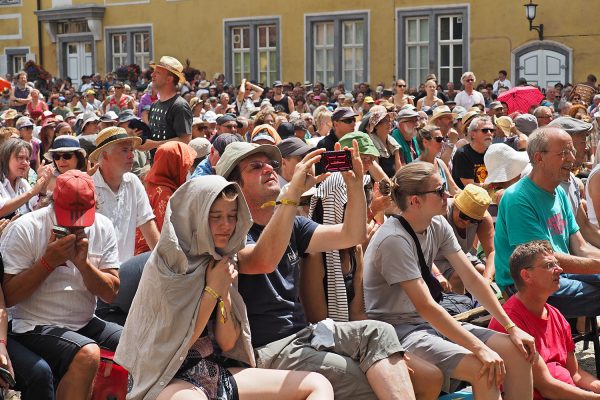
(506, 124)
(441, 111)
(473, 201)
(111, 135)
(172, 65)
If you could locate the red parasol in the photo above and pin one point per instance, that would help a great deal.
(4, 84)
(521, 98)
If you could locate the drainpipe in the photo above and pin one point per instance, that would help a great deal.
(39, 30)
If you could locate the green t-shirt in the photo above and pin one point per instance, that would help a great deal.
(526, 213)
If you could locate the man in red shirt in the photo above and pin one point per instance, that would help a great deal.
(556, 375)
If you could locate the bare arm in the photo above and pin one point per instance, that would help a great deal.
(153, 144)
(150, 233)
(242, 91)
(552, 388)
(291, 104)
(357, 305)
(452, 186)
(582, 378)
(590, 233)
(485, 233)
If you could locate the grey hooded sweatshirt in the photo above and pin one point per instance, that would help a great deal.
(161, 321)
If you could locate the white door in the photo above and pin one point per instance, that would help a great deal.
(79, 61)
(544, 67)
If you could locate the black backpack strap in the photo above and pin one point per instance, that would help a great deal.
(435, 288)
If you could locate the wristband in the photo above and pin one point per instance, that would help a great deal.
(437, 274)
(220, 302)
(46, 265)
(284, 202)
(3, 341)
(508, 326)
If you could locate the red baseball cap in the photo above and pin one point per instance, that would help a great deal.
(74, 199)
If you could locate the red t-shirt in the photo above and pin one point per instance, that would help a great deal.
(552, 337)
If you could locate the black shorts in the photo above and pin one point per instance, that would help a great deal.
(58, 346)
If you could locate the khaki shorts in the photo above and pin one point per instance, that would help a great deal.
(357, 346)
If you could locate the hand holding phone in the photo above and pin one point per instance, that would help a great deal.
(336, 161)
(7, 377)
(60, 232)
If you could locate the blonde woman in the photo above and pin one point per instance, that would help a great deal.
(400, 98)
(430, 100)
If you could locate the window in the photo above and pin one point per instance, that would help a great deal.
(417, 49)
(18, 62)
(447, 56)
(337, 49)
(128, 46)
(450, 48)
(252, 50)
(14, 60)
(10, 2)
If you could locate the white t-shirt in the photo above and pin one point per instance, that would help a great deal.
(466, 101)
(62, 299)
(7, 193)
(127, 209)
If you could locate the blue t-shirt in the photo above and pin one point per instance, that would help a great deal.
(526, 213)
(273, 300)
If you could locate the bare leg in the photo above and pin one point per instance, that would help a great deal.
(389, 379)
(78, 381)
(181, 390)
(468, 370)
(426, 378)
(265, 384)
(518, 383)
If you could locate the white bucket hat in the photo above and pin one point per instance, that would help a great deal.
(503, 163)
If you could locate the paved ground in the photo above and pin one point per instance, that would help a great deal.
(586, 357)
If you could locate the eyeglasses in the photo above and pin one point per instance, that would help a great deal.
(65, 156)
(230, 126)
(400, 85)
(549, 266)
(470, 80)
(439, 139)
(465, 217)
(564, 153)
(254, 166)
(488, 130)
(347, 120)
(441, 191)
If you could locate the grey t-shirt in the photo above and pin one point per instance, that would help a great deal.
(392, 258)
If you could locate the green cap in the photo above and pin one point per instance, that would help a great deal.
(365, 144)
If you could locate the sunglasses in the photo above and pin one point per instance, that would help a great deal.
(254, 166)
(470, 80)
(65, 156)
(347, 120)
(465, 217)
(488, 130)
(439, 139)
(400, 85)
(441, 191)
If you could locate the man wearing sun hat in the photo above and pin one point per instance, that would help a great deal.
(121, 195)
(53, 282)
(170, 117)
(469, 218)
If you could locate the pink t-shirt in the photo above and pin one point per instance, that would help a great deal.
(552, 337)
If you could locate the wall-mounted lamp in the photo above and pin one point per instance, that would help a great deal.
(530, 10)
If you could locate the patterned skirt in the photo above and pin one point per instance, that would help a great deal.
(203, 369)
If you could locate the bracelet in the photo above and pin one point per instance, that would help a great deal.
(508, 326)
(3, 341)
(220, 302)
(437, 274)
(46, 265)
(284, 202)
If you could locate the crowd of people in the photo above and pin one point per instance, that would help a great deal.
(206, 232)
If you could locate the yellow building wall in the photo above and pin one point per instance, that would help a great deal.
(193, 29)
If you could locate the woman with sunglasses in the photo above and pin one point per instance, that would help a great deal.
(400, 289)
(431, 141)
(430, 100)
(66, 154)
(471, 222)
(400, 99)
(379, 128)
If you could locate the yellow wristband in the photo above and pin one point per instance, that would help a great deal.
(212, 292)
(220, 302)
(508, 326)
(284, 202)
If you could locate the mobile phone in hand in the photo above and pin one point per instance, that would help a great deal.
(7, 377)
(336, 161)
(60, 232)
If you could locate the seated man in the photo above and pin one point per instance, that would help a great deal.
(361, 359)
(556, 375)
(52, 283)
(537, 208)
(468, 216)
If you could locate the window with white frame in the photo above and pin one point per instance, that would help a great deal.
(18, 62)
(432, 40)
(417, 50)
(450, 46)
(337, 48)
(252, 50)
(128, 46)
